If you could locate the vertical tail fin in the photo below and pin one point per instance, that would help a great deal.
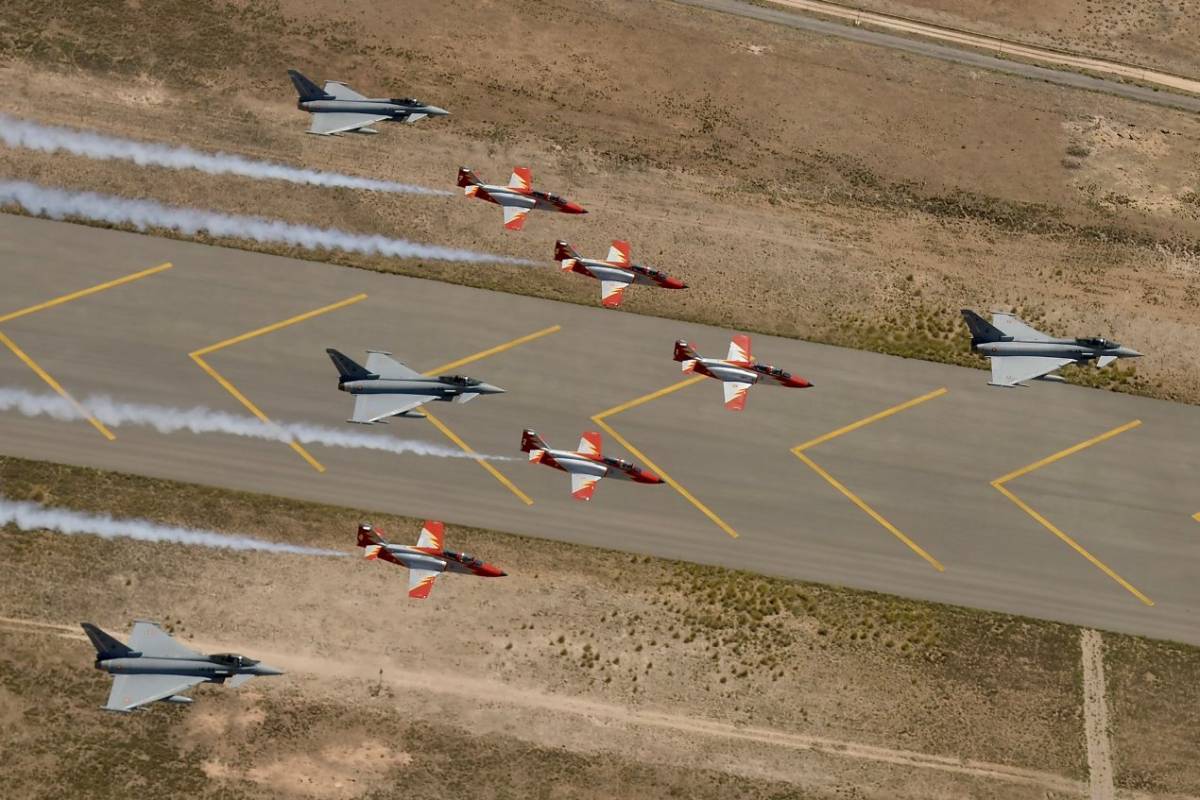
(563, 251)
(367, 536)
(981, 329)
(348, 368)
(467, 177)
(530, 441)
(106, 646)
(306, 88)
(684, 351)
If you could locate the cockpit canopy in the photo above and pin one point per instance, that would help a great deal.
(1098, 342)
(232, 660)
(462, 558)
(406, 101)
(618, 463)
(458, 380)
(774, 372)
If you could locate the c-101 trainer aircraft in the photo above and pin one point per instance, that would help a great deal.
(518, 198)
(615, 273)
(738, 372)
(153, 666)
(586, 465)
(428, 559)
(339, 109)
(1021, 353)
(386, 388)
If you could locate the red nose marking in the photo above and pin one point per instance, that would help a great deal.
(673, 283)
(573, 208)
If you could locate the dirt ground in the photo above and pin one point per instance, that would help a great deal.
(585, 673)
(802, 186)
(1153, 33)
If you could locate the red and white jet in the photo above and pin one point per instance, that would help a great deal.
(615, 273)
(738, 372)
(518, 198)
(425, 561)
(586, 465)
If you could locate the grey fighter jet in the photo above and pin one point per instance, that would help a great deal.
(1021, 353)
(338, 109)
(386, 388)
(153, 667)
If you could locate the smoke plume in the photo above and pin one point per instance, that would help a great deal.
(16, 132)
(198, 419)
(34, 517)
(145, 214)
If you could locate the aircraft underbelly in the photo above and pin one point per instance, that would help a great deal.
(582, 466)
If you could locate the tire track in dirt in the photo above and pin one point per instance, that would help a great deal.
(1095, 717)
(498, 693)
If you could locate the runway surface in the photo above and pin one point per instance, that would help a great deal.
(922, 473)
(961, 55)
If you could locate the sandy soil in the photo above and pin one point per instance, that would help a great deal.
(1153, 33)
(665, 672)
(802, 186)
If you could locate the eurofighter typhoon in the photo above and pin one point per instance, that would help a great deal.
(154, 667)
(1021, 353)
(339, 109)
(386, 388)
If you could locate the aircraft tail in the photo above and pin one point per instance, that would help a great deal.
(530, 441)
(467, 177)
(684, 351)
(348, 369)
(981, 329)
(106, 646)
(306, 88)
(564, 251)
(367, 536)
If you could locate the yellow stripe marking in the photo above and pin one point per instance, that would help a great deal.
(316, 312)
(799, 449)
(1196, 516)
(916, 401)
(66, 298)
(872, 513)
(491, 351)
(998, 484)
(648, 397)
(56, 386)
(452, 436)
(1068, 452)
(497, 474)
(100, 287)
(197, 356)
(674, 484)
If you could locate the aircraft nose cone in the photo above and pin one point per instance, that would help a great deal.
(263, 669)
(491, 571)
(436, 112)
(674, 283)
(573, 208)
(1129, 352)
(488, 388)
(801, 383)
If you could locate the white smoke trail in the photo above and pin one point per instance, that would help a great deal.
(34, 517)
(16, 132)
(166, 419)
(144, 214)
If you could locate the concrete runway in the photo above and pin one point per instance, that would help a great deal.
(946, 52)
(925, 470)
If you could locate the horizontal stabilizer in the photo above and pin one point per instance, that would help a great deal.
(1104, 361)
(372, 408)
(382, 364)
(330, 123)
(1012, 370)
(414, 117)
